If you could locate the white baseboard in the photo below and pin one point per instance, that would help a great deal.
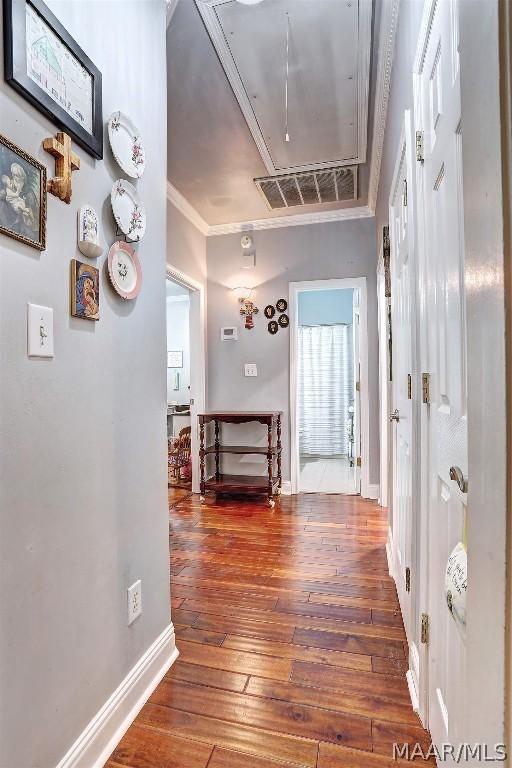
(286, 488)
(412, 691)
(371, 492)
(108, 726)
(389, 552)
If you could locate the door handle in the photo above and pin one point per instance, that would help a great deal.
(458, 477)
(395, 416)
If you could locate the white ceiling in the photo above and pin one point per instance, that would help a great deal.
(213, 148)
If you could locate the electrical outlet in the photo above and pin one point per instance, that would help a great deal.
(134, 601)
(251, 369)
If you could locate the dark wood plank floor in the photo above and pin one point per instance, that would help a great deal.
(292, 648)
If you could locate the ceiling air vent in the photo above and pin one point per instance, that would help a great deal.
(327, 185)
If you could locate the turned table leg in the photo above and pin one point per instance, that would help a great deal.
(202, 454)
(217, 450)
(279, 448)
(270, 468)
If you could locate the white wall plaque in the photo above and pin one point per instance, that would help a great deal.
(175, 358)
(456, 584)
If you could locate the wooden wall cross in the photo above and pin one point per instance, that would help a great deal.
(65, 162)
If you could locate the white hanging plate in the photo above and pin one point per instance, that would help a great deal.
(128, 210)
(124, 270)
(126, 143)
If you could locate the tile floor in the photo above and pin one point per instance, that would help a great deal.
(322, 474)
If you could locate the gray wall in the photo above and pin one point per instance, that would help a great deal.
(186, 246)
(313, 252)
(83, 497)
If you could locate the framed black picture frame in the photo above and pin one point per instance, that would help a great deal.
(52, 72)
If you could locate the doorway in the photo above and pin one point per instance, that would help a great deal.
(185, 305)
(328, 396)
(179, 459)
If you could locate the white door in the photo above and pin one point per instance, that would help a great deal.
(356, 319)
(401, 289)
(439, 117)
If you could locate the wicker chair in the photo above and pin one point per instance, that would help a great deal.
(178, 455)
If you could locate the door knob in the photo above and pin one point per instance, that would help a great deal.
(395, 416)
(456, 474)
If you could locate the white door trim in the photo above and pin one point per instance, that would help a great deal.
(367, 491)
(197, 357)
(385, 488)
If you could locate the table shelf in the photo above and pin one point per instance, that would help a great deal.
(242, 449)
(219, 482)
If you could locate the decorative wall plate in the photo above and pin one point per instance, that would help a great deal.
(281, 305)
(284, 321)
(126, 143)
(124, 270)
(128, 210)
(273, 327)
(269, 311)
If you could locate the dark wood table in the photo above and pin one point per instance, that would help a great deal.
(269, 484)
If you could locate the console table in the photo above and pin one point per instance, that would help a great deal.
(251, 485)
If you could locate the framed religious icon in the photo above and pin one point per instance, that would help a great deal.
(269, 311)
(47, 66)
(85, 290)
(281, 305)
(22, 196)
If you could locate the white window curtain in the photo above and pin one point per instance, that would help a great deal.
(325, 389)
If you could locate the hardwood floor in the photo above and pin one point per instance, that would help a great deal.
(292, 648)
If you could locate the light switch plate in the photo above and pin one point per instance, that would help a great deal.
(39, 331)
(134, 601)
(251, 369)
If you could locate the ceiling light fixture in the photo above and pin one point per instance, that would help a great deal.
(249, 2)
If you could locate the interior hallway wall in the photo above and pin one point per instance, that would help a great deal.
(83, 493)
(186, 245)
(312, 252)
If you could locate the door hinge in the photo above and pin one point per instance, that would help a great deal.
(407, 579)
(420, 156)
(405, 193)
(425, 628)
(409, 386)
(358, 461)
(358, 386)
(425, 387)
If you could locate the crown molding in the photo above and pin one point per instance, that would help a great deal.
(189, 212)
(170, 7)
(300, 219)
(387, 36)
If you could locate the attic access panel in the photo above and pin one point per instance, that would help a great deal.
(329, 60)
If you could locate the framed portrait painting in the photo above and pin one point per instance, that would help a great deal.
(22, 196)
(47, 66)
